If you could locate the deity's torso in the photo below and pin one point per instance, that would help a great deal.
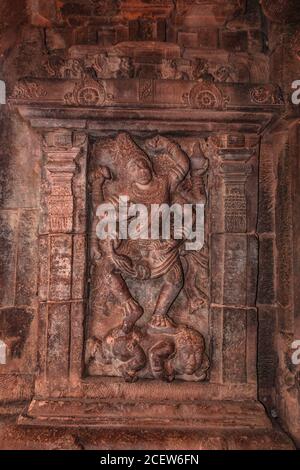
(154, 256)
(156, 192)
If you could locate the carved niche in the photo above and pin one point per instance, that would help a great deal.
(148, 315)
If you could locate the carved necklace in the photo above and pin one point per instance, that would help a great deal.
(157, 192)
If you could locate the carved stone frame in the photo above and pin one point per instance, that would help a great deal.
(63, 396)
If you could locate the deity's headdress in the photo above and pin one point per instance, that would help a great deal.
(123, 150)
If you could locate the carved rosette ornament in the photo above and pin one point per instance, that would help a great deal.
(88, 92)
(206, 96)
(266, 94)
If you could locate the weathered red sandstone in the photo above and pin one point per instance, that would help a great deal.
(161, 347)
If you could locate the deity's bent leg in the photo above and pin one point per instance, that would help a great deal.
(172, 285)
(132, 311)
(192, 264)
(114, 283)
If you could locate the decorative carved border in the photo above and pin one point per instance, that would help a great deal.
(139, 93)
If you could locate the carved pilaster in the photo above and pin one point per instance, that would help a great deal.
(61, 166)
(235, 203)
(234, 257)
(62, 249)
(233, 154)
(61, 156)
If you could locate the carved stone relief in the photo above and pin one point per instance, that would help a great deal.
(193, 83)
(116, 62)
(87, 93)
(206, 96)
(28, 89)
(266, 94)
(148, 298)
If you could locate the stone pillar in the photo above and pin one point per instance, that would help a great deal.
(234, 263)
(266, 292)
(62, 251)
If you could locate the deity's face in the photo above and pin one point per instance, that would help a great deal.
(139, 171)
(187, 360)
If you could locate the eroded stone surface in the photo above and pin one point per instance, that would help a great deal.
(90, 85)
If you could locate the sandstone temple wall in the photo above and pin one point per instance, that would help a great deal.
(245, 54)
